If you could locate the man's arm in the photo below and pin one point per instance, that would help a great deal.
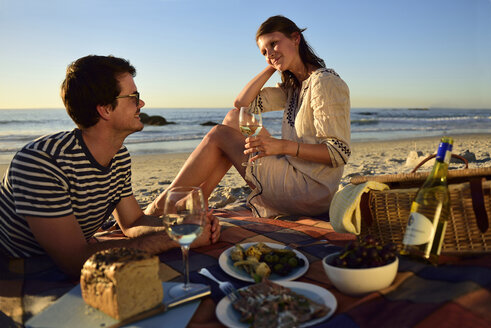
(132, 221)
(64, 242)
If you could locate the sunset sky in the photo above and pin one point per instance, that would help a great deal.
(200, 53)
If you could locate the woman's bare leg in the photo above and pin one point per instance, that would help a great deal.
(222, 167)
(221, 148)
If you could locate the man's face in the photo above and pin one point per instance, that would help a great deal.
(127, 110)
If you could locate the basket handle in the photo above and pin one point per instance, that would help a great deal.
(466, 162)
(477, 197)
(366, 213)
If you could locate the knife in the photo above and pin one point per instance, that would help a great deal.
(161, 308)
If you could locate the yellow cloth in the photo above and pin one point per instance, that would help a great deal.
(345, 211)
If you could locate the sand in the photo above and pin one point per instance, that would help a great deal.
(153, 173)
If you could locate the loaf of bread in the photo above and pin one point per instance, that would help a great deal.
(121, 282)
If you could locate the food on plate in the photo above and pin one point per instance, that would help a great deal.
(121, 282)
(268, 304)
(237, 253)
(260, 260)
(365, 253)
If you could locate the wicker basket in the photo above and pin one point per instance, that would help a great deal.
(385, 213)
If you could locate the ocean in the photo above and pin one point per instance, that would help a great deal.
(17, 127)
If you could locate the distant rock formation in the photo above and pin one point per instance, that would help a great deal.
(209, 123)
(154, 120)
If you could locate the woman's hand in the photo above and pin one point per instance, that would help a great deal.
(266, 145)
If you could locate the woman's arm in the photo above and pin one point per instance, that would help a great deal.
(268, 145)
(251, 90)
(330, 103)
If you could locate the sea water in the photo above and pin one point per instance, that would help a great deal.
(18, 127)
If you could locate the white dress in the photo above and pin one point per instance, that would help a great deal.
(287, 185)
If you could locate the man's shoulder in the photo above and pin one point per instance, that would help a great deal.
(47, 149)
(51, 143)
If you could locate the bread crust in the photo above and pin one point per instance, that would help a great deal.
(121, 282)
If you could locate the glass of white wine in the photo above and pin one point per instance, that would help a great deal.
(184, 218)
(250, 124)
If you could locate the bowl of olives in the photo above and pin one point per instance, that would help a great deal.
(363, 266)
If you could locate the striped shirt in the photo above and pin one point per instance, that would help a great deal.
(55, 176)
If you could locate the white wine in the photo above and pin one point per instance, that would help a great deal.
(184, 234)
(250, 130)
(430, 210)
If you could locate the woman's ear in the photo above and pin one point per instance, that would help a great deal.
(104, 111)
(295, 36)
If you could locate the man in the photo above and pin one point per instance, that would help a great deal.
(60, 188)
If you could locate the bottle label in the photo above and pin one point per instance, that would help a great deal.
(419, 230)
(444, 152)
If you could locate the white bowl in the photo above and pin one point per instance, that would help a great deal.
(360, 281)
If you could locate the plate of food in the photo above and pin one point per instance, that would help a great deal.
(303, 305)
(252, 262)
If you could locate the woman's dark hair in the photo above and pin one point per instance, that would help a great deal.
(92, 81)
(287, 27)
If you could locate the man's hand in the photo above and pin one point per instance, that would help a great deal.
(215, 227)
(211, 232)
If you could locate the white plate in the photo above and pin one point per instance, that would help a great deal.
(231, 318)
(227, 265)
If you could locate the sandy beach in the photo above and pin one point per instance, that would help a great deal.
(153, 173)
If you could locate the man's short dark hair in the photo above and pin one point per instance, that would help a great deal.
(92, 81)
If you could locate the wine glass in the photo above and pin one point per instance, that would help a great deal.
(184, 218)
(250, 124)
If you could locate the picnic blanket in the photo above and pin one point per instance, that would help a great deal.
(454, 294)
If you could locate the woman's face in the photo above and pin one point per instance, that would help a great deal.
(280, 51)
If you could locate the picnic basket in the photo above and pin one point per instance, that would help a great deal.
(385, 213)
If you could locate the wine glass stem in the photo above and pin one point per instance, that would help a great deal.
(185, 260)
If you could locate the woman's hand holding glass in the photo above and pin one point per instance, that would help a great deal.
(266, 145)
(250, 124)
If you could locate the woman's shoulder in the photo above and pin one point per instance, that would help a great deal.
(325, 73)
(326, 77)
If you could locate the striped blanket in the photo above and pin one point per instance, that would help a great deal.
(454, 294)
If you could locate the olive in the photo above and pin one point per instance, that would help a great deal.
(278, 267)
(293, 262)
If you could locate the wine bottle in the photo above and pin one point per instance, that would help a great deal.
(430, 210)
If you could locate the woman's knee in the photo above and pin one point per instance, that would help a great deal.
(223, 134)
(232, 118)
(218, 132)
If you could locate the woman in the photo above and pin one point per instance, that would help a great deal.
(300, 172)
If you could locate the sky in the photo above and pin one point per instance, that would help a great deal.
(200, 53)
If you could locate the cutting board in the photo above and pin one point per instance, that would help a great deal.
(71, 311)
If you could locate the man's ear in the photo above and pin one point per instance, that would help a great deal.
(104, 111)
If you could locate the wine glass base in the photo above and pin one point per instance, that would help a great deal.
(178, 291)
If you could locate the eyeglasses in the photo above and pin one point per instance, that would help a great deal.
(134, 94)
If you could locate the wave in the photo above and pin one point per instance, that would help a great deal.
(365, 122)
